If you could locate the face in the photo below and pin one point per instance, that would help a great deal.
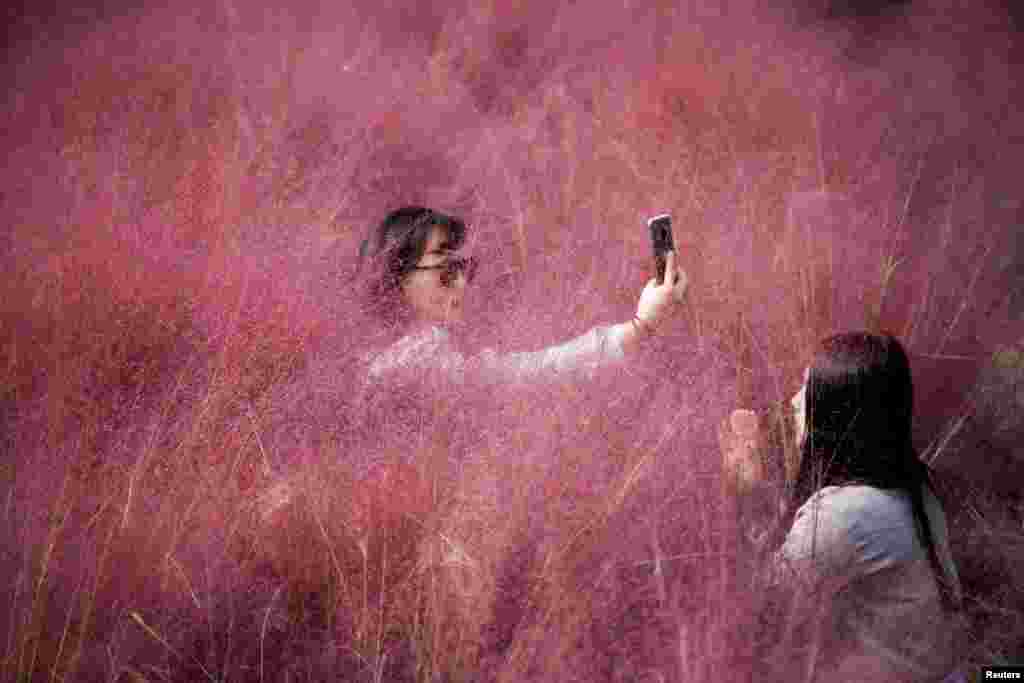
(430, 299)
(799, 403)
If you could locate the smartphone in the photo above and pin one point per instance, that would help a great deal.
(661, 239)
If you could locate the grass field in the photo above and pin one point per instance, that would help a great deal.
(193, 489)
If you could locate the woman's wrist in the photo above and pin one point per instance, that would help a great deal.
(642, 327)
(634, 332)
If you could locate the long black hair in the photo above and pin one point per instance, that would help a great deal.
(388, 255)
(859, 412)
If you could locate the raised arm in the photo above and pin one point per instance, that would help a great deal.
(657, 303)
(431, 349)
(601, 345)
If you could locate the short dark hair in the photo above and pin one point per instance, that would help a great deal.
(394, 249)
(859, 414)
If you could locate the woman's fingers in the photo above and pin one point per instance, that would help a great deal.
(724, 442)
(657, 300)
(679, 289)
(744, 422)
(675, 278)
(738, 437)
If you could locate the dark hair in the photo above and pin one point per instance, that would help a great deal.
(859, 410)
(393, 251)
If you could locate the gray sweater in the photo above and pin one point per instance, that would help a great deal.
(888, 605)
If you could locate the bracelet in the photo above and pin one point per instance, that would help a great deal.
(640, 326)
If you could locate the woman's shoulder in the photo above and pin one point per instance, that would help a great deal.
(859, 513)
(857, 499)
(865, 525)
(827, 521)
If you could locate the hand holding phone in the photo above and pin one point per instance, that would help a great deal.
(661, 240)
(657, 300)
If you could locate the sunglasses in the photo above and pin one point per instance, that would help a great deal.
(451, 269)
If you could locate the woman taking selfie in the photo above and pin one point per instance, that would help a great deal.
(413, 283)
(415, 287)
(862, 517)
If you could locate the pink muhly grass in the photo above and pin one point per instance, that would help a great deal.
(194, 491)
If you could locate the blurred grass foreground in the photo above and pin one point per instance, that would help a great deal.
(190, 488)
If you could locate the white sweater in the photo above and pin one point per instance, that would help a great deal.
(432, 349)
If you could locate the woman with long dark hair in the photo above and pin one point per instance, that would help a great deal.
(863, 506)
(862, 522)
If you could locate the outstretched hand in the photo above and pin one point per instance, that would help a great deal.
(740, 437)
(658, 302)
